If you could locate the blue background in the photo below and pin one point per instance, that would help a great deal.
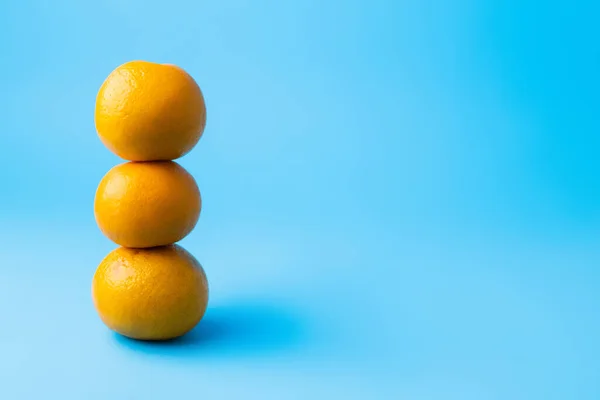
(401, 199)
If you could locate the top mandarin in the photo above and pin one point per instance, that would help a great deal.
(147, 111)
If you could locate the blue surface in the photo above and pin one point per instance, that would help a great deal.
(401, 199)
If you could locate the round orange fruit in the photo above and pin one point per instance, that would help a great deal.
(147, 204)
(147, 111)
(150, 294)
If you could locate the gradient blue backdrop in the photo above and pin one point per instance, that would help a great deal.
(401, 199)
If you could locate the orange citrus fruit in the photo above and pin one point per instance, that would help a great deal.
(150, 294)
(147, 204)
(147, 111)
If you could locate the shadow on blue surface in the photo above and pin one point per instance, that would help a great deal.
(244, 329)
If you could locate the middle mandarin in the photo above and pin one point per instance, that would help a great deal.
(147, 204)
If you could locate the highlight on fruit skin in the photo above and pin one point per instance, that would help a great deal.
(150, 294)
(147, 204)
(147, 111)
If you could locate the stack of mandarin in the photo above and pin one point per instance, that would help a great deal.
(150, 288)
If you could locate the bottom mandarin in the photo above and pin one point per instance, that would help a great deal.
(157, 293)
